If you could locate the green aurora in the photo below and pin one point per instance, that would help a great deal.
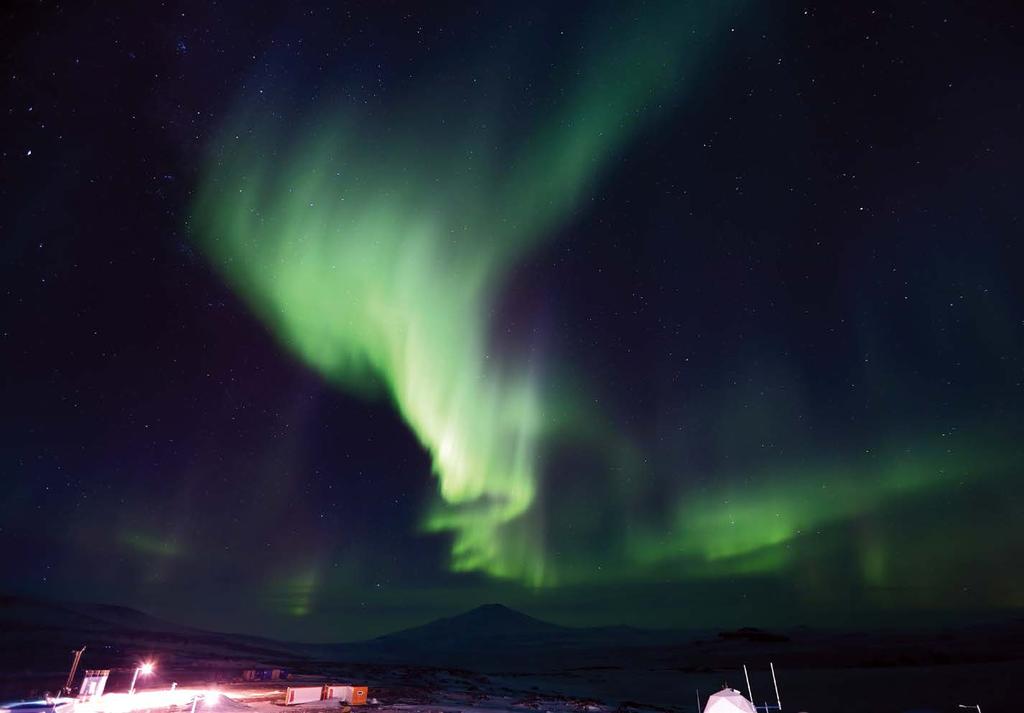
(375, 244)
(375, 253)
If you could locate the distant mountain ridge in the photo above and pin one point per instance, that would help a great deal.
(496, 637)
(485, 621)
(492, 638)
(37, 613)
(39, 633)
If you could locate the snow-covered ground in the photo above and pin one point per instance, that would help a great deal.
(893, 689)
(238, 699)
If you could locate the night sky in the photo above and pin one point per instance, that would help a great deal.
(324, 320)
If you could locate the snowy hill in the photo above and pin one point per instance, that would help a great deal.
(38, 634)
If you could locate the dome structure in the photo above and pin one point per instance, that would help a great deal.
(728, 700)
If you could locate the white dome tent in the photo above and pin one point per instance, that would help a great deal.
(728, 700)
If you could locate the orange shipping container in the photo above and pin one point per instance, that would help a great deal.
(354, 695)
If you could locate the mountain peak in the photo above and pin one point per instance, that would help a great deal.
(485, 621)
(493, 609)
(493, 606)
(493, 618)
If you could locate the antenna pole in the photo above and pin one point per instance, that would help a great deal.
(749, 692)
(698, 700)
(74, 667)
(774, 681)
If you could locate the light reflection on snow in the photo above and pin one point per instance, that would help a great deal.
(182, 698)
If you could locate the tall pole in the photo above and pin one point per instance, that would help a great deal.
(74, 667)
(776, 683)
(135, 677)
(698, 700)
(749, 692)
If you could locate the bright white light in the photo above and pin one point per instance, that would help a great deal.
(146, 668)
